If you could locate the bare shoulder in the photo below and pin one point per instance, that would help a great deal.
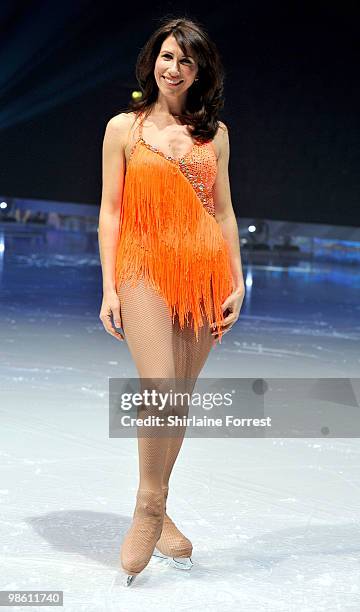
(123, 119)
(223, 132)
(119, 126)
(221, 140)
(223, 126)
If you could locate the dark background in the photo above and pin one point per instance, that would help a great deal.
(291, 99)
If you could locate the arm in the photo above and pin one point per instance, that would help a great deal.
(113, 159)
(114, 164)
(224, 212)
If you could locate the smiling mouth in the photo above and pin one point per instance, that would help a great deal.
(172, 83)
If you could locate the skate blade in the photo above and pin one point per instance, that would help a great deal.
(130, 579)
(183, 563)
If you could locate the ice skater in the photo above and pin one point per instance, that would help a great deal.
(169, 248)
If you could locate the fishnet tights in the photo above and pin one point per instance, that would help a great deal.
(160, 350)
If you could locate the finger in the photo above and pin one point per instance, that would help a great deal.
(228, 326)
(110, 329)
(217, 338)
(231, 318)
(227, 304)
(107, 322)
(224, 331)
(116, 334)
(117, 317)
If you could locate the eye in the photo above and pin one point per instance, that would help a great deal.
(187, 61)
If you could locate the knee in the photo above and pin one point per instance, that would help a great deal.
(160, 393)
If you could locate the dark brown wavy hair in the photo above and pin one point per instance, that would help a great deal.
(205, 96)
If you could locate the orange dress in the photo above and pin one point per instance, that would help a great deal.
(168, 234)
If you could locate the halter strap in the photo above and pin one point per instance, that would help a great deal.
(141, 125)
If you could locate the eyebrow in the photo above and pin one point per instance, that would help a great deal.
(172, 53)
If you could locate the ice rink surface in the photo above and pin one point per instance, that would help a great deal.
(274, 522)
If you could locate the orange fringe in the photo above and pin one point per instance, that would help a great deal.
(167, 237)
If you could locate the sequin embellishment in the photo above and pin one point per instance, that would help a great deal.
(199, 166)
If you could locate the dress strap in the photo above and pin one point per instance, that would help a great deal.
(141, 121)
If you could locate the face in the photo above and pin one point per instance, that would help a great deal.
(174, 72)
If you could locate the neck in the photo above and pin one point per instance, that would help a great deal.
(164, 106)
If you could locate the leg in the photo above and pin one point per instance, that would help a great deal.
(148, 332)
(190, 357)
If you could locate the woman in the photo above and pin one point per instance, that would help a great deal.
(169, 247)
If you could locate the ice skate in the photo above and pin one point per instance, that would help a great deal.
(172, 544)
(141, 538)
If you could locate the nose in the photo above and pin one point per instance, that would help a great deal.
(173, 69)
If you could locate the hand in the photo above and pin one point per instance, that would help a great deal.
(110, 307)
(232, 305)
